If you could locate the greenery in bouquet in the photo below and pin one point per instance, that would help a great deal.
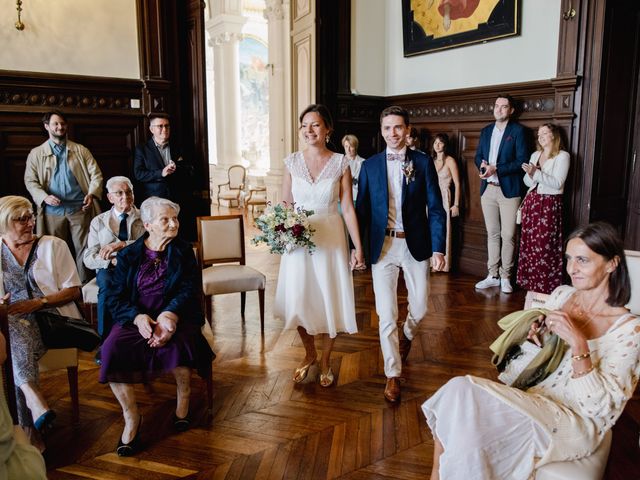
(285, 228)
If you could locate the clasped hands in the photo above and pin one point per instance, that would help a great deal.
(486, 170)
(529, 168)
(157, 332)
(357, 260)
(560, 323)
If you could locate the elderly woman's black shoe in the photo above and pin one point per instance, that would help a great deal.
(131, 448)
(181, 424)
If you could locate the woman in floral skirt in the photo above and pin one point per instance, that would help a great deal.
(540, 261)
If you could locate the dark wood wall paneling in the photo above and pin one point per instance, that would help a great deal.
(99, 111)
(171, 40)
(593, 98)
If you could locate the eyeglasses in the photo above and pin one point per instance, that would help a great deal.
(164, 126)
(24, 219)
(121, 193)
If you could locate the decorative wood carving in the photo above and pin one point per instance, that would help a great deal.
(36, 91)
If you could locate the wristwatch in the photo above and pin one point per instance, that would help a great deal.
(44, 301)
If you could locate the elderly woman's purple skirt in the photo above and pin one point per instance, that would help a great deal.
(127, 356)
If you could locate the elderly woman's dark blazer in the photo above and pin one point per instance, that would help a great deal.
(182, 290)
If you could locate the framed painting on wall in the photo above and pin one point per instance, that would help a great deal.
(433, 25)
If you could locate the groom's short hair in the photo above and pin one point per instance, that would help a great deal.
(395, 110)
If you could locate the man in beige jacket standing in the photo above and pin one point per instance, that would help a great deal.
(65, 183)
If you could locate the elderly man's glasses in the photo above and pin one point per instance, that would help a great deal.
(122, 193)
(164, 126)
(24, 219)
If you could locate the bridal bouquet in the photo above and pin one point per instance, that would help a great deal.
(285, 228)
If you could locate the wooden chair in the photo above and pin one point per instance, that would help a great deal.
(593, 466)
(220, 243)
(7, 367)
(207, 333)
(54, 359)
(257, 197)
(236, 175)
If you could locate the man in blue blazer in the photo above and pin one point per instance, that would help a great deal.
(395, 188)
(502, 150)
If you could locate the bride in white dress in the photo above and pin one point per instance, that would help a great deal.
(315, 291)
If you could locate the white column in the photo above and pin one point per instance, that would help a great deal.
(280, 144)
(225, 31)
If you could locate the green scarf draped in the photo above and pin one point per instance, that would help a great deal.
(516, 327)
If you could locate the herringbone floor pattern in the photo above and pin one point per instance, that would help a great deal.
(266, 427)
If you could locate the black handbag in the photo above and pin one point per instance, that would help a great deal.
(59, 331)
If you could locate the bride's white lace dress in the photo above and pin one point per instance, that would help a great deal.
(316, 290)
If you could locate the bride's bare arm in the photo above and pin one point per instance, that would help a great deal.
(287, 196)
(349, 215)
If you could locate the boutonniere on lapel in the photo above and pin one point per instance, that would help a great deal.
(508, 139)
(408, 170)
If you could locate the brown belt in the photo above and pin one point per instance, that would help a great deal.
(394, 233)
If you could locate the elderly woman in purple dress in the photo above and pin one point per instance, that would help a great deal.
(155, 303)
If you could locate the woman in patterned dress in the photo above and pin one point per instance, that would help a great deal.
(55, 284)
(315, 291)
(540, 260)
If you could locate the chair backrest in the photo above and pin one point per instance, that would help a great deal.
(221, 239)
(237, 174)
(633, 263)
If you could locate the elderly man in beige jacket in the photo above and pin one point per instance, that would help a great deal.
(65, 183)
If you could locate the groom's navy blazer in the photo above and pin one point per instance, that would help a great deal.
(512, 153)
(423, 235)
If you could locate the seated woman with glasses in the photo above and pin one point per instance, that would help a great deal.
(51, 275)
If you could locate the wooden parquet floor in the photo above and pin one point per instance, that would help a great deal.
(266, 427)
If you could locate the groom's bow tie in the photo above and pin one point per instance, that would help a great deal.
(395, 156)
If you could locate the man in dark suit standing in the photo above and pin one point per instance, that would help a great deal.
(158, 165)
(394, 189)
(501, 152)
(161, 171)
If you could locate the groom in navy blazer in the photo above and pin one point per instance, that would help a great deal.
(395, 188)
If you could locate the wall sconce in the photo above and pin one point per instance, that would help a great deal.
(570, 13)
(19, 25)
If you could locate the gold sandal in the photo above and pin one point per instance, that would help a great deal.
(301, 373)
(326, 379)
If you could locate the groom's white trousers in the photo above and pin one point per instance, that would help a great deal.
(395, 255)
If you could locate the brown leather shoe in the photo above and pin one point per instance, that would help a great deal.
(392, 389)
(405, 345)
